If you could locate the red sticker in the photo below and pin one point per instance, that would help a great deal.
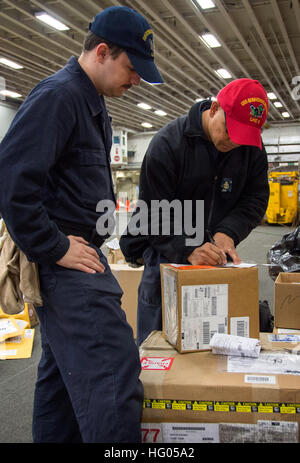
(156, 363)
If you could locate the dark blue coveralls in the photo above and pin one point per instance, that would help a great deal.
(54, 168)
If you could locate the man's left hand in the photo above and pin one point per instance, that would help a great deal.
(226, 243)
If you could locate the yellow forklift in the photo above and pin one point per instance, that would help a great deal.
(283, 201)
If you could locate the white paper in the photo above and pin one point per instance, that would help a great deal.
(113, 244)
(228, 344)
(237, 433)
(287, 330)
(204, 312)
(241, 265)
(7, 327)
(279, 364)
(191, 432)
(293, 338)
(8, 352)
(277, 431)
(262, 432)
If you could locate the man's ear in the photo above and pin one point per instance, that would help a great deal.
(214, 108)
(102, 52)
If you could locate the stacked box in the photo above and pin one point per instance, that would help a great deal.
(129, 279)
(196, 397)
(198, 301)
(287, 301)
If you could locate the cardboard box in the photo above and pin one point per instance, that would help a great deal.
(115, 256)
(194, 398)
(129, 279)
(199, 301)
(287, 301)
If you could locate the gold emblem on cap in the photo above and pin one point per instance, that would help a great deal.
(147, 32)
(151, 43)
(255, 99)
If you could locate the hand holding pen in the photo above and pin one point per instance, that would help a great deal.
(224, 242)
(208, 254)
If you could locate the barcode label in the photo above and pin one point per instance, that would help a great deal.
(205, 333)
(258, 379)
(221, 328)
(239, 326)
(185, 305)
(214, 305)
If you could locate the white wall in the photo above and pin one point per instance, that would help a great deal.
(7, 113)
(282, 143)
(139, 143)
(282, 138)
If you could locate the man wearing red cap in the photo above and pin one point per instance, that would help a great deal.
(214, 154)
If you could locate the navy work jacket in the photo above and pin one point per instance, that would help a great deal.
(55, 163)
(181, 163)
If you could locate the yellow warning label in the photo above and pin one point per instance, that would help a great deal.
(221, 406)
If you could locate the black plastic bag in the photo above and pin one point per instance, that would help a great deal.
(266, 319)
(284, 256)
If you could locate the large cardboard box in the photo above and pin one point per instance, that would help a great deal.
(287, 300)
(129, 279)
(198, 301)
(195, 398)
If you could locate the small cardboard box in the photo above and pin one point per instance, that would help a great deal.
(195, 398)
(198, 301)
(115, 256)
(129, 279)
(287, 301)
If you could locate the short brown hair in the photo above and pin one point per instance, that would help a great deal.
(92, 40)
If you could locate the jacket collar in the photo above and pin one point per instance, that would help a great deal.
(94, 100)
(193, 126)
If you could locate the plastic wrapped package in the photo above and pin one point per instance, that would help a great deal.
(284, 255)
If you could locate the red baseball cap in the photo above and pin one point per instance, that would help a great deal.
(246, 106)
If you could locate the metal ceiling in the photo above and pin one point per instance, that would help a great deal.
(259, 39)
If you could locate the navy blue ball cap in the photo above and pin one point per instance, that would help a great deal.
(129, 30)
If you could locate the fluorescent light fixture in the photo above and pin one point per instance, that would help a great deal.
(143, 106)
(285, 114)
(10, 93)
(205, 4)
(214, 98)
(272, 96)
(223, 73)
(159, 112)
(210, 40)
(46, 18)
(10, 64)
(277, 104)
(146, 125)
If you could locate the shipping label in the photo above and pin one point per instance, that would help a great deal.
(204, 312)
(156, 363)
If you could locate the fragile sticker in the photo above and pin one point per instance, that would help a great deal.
(156, 363)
